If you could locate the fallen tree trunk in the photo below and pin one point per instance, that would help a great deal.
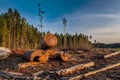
(74, 68)
(111, 54)
(48, 41)
(94, 72)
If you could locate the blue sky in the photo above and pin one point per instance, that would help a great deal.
(99, 18)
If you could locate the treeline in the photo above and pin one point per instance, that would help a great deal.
(75, 41)
(16, 32)
(102, 45)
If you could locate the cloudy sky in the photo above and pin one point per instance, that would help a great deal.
(99, 18)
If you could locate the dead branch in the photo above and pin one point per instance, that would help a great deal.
(94, 72)
(74, 68)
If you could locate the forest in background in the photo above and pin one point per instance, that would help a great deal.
(16, 32)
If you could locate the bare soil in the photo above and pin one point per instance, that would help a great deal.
(10, 64)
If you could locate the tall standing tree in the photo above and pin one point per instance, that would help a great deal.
(64, 24)
(40, 14)
(10, 23)
(90, 41)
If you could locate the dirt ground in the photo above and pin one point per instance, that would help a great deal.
(10, 64)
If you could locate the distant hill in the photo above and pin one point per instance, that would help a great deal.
(102, 45)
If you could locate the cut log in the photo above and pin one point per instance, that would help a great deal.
(94, 72)
(33, 55)
(24, 65)
(111, 54)
(74, 68)
(4, 53)
(48, 41)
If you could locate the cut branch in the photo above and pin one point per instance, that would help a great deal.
(74, 68)
(94, 72)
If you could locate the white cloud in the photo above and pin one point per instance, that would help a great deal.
(103, 27)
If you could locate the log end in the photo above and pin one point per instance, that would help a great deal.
(50, 40)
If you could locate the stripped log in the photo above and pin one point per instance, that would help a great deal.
(48, 41)
(111, 54)
(24, 65)
(74, 68)
(94, 72)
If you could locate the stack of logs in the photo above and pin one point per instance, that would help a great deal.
(43, 52)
